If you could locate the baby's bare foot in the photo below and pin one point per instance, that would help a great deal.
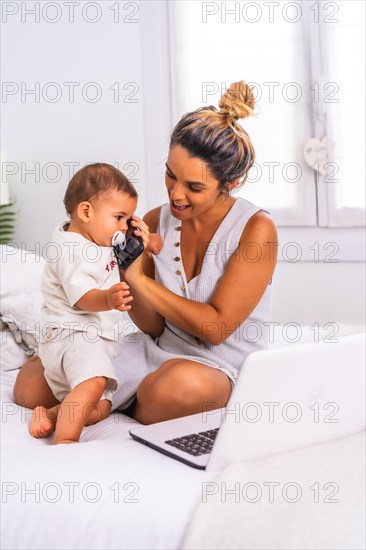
(41, 425)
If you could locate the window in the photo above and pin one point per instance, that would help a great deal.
(304, 62)
(344, 68)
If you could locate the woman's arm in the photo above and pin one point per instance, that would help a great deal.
(142, 313)
(237, 293)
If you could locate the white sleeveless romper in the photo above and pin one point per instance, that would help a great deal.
(139, 354)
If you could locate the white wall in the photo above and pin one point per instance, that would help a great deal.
(104, 59)
(128, 47)
(317, 278)
(308, 293)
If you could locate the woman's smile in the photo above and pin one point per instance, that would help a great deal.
(177, 207)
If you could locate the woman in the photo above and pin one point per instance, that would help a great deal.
(203, 302)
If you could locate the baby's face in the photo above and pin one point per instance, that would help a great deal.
(110, 212)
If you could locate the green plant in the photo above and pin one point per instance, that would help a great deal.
(7, 222)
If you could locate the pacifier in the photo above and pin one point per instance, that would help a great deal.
(118, 239)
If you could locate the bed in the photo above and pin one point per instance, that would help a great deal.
(112, 493)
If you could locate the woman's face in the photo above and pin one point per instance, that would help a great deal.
(192, 188)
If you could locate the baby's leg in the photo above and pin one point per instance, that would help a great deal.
(99, 411)
(76, 408)
(43, 421)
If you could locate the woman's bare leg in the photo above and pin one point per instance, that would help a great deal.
(180, 388)
(31, 388)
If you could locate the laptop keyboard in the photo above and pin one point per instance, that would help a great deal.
(195, 444)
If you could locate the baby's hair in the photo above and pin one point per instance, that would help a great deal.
(92, 180)
(217, 138)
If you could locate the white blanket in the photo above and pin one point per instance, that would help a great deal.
(313, 498)
(109, 492)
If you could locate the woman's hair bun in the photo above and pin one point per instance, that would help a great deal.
(237, 102)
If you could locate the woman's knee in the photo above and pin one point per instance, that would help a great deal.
(21, 388)
(31, 388)
(188, 384)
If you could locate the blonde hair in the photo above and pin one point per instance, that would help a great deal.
(216, 137)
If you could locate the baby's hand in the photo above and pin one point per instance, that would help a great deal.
(154, 245)
(118, 297)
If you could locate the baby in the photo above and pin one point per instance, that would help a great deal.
(83, 296)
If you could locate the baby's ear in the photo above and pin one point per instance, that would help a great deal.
(83, 211)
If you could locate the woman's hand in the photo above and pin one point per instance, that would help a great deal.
(155, 244)
(134, 272)
(140, 229)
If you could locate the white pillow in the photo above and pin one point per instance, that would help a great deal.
(21, 297)
(12, 354)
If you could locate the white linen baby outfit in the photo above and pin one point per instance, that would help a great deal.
(139, 354)
(77, 345)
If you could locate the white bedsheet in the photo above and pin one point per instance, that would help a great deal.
(109, 492)
(316, 501)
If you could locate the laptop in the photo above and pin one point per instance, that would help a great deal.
(285, 398)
